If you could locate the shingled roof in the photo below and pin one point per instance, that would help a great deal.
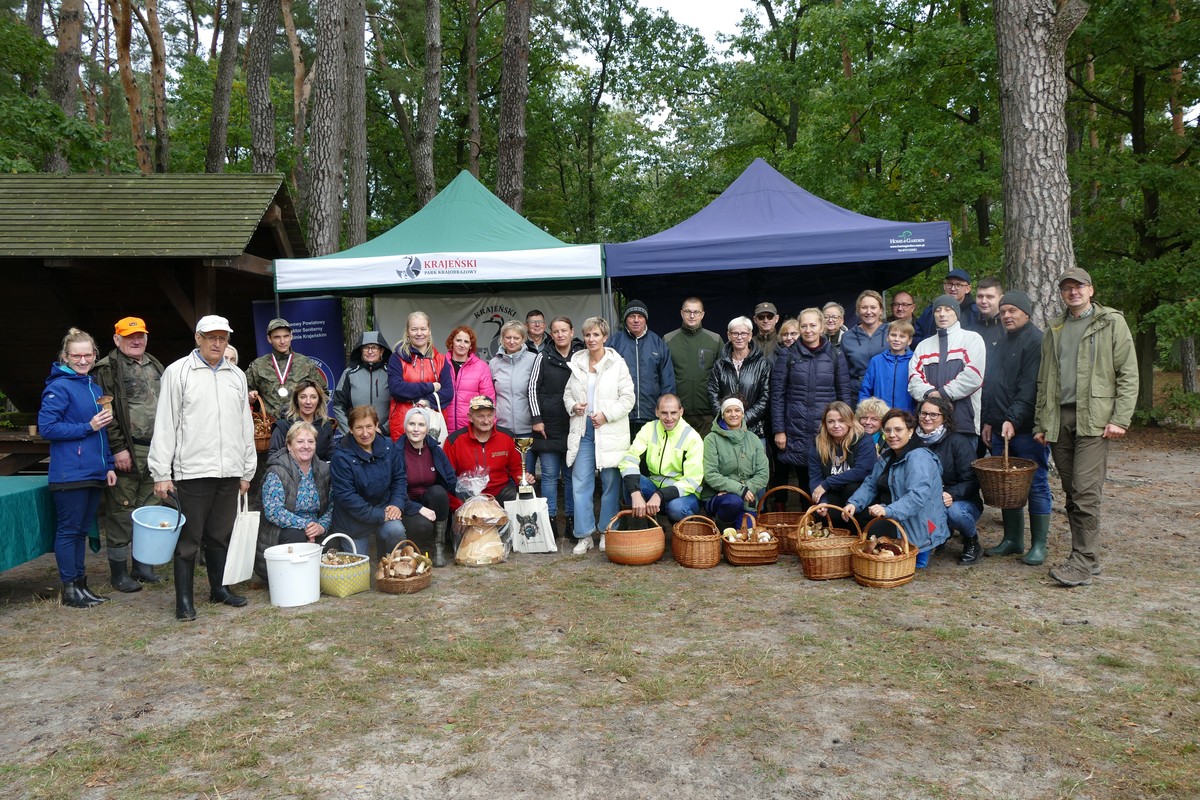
(173, 215)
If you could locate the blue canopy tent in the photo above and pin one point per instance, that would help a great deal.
(765, 238)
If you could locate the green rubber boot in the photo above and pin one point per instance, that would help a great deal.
(1039, 532)
(1014, 534)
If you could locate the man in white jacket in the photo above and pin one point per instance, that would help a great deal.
(203, 452)
(950, 364)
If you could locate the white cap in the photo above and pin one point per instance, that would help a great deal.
(212, 322)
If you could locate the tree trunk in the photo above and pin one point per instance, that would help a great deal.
(300, 84)
(33, 17)
(514, 92)
(64, 76)
(122, 13)
(1031, 41)
(356, 124)
(474, 126)
(427, 112)
(327, 146)
(260, 48)
(158, 86)
(1187, 358)
(218, 130)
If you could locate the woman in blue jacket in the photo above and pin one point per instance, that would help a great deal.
(841, 458)
(905, 485)
(81, 462)
(806, 377)
(369, 483)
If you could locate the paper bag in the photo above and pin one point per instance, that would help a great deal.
(239, 561)
(529, 524)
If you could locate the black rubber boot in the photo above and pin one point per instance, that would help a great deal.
(1014, 534)
(1039, 532)
(214, 561)
(120, 580)
(144, 573)
(439, 544)
(972, 552)
(88, 593)
(73, 596)
(185, 579)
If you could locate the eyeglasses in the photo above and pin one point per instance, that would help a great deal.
(903, 305)
(211, 339)
(1072, 289)
(765, 317)
(930, 414)
(81, 357)
(789, 335)
(690, 313)
(739, 334)
(832, 319)
(949, 286)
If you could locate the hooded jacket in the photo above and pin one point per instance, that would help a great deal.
(77, 453)
(411, 376)
(363, 485)
(860, 347)
(363, 384)
(914, 480)
(551, 372)
(803, 382)
(887, 378)
(734, 461)
(650, 367)
(614, 398)
(1106, 383)
(753, 383)
(511, 373)
(958, 380)
(472, 379)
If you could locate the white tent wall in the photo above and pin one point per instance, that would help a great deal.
(484, 313)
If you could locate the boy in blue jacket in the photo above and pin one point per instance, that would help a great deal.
(887, 373)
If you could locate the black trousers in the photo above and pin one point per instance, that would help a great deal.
(420, 529)
(210, 507)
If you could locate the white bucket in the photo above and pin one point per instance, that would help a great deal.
(294, 574)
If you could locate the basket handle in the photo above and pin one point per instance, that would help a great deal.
(400, 546)
(353, 548)
(1005, 453)
(807, 497)
(753, 519)
(701, 518)
(807, 518)
(625, 512)
(862, 537)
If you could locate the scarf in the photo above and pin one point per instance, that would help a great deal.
(934, 436)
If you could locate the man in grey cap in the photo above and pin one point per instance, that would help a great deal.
(649, 362)
(274, 376)
(1087, 389)
(958, 286)
(202, 451)
(1009, 395)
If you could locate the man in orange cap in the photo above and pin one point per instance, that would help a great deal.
(131, 376)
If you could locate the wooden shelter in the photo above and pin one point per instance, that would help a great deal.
(87, 250)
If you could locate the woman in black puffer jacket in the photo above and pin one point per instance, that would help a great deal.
(807, 376)
(742, 369)
(551, 423)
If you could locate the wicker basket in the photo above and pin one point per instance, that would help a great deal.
(262, 427)
(409, 585)
(343, 580)
(633, 548)
(879, 572)
(696, 543)
(1004, 481)
(751, 554)
(828, 558)
(783, 523)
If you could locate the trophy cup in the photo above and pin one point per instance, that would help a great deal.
(523, 444)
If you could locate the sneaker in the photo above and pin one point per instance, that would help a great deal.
(971, 552)
(602, 543)
(1096, 568)
(1071, 574)
(582, 546)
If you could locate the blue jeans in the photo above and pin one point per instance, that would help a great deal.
(961, 516)
(75, 509)
(554, 465)
(677, 509)
(583, 485)
(1023, 446)
(389, 533)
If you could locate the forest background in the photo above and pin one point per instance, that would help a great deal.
(607, 120)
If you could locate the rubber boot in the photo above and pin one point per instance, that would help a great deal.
(88, 593)
(214, 561)
(439, 543)
(144, 573)
(1014, 534)
(73, 596)
(185, 578)
(120, 580)
(1039, 532)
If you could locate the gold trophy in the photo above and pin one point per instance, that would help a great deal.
(523, 444)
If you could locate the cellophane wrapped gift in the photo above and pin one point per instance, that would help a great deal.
(477, 524)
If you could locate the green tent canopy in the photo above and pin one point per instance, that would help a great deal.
(464, 235)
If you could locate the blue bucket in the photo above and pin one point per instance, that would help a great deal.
(155, 533)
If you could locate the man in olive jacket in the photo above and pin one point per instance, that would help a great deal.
(1087, 389)
(694, 349)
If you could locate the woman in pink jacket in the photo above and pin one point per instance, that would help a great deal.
(472, 376)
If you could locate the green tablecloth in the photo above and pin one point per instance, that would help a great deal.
(26, 519)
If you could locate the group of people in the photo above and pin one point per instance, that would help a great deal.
(681, 424)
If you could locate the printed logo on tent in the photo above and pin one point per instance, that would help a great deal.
(412, 268)
(905, 242)
(494, 313)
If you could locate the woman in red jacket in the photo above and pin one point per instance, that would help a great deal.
(417, 373)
